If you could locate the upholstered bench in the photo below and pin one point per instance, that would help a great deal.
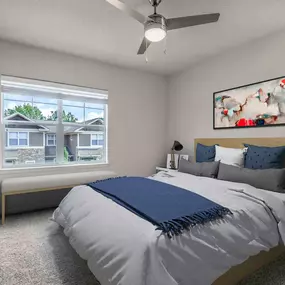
(23, 185)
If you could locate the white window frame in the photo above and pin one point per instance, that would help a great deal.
(18, 138)
(60, 92)
(53, 139)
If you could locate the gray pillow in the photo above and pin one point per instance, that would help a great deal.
(206, 169)
(268, 179)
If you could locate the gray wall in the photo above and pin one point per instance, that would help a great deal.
(66, 140)
(84, 140)
(36, 139)
(191, 92)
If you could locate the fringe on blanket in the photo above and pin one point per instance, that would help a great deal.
(177, 226)
(106, 179)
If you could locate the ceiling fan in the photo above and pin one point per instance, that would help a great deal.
(156, 26)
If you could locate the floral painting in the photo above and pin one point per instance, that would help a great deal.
(254, 105)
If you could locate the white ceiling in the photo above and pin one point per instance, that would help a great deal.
(95, 29)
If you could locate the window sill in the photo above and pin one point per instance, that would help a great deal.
(51, 169)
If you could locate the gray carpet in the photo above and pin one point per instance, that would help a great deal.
(34, 251)
(271, 274)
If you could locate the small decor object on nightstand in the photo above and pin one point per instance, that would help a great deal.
(177, 146)
(183, 156)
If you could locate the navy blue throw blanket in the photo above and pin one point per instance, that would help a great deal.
(170, 208)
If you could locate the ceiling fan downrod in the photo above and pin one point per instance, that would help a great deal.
(154, 4)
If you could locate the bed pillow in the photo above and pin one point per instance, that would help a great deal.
(206, 169)
(268, 179)
(205, 153)
(261, 157)
(231, 156)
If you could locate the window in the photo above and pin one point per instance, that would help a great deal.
(51, 140)
(97, 140)
(18, 139)
(50, 123)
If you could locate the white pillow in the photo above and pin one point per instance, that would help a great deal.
(231, 156)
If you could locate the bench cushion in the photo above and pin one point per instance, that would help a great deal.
(19, 184)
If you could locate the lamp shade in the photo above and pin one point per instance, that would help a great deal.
(155, 33)
(177, 146)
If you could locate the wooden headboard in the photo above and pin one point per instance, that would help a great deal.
(238, 142)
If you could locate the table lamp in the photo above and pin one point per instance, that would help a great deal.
(177, 146)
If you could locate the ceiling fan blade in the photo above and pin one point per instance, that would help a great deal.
(184, 22)
(144, 46)
(126, 9)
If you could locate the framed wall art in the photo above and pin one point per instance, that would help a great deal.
(254, 105)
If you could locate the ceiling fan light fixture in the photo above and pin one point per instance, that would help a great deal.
(155, 32)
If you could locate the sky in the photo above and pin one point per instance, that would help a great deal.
(46, 105)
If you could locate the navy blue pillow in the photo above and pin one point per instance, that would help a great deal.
(205, 153)
(262, 157)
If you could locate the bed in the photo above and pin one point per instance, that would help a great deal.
(122, 248)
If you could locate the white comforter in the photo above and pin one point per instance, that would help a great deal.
(121, 248)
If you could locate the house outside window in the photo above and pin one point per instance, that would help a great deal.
(51, 140)
(18, 139)
(51, 123)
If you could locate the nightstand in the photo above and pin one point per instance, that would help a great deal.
(158, 169)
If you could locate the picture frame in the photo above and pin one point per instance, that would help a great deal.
(259, 104)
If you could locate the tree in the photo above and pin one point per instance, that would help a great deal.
(34, 113)
(31, 112)
(66, 117)
(69, 117)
